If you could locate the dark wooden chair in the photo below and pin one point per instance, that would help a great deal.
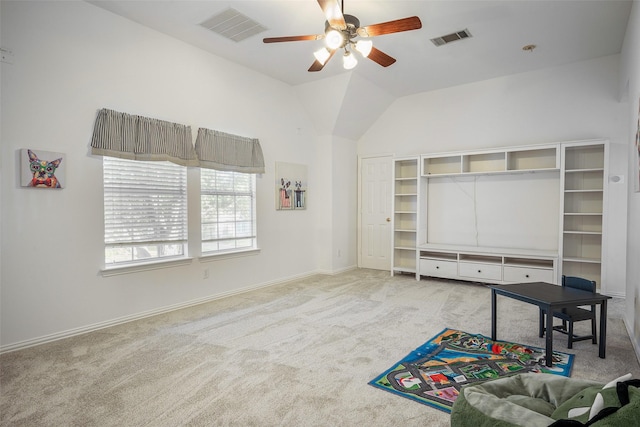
(573, 314)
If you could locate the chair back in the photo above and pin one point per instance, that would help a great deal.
(579, 283)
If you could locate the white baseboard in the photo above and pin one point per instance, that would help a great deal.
(620, 295)
(137, 316)
(634, 344)
(338, 271)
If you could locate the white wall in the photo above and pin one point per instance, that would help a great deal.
(336, 223)
(344, 192)
(573, 102)
(323, 202)
(70, 60)
(344, 105)
(630, 82)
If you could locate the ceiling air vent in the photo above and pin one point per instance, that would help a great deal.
(233, 25)
(442, 40)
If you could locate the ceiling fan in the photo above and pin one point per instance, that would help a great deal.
(342, 32)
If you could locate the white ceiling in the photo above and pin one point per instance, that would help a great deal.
(564, 31)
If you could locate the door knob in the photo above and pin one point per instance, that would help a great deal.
(388, 219)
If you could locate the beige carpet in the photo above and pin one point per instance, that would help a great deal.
(298, 354)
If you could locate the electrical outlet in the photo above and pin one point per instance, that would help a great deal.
(205, 273)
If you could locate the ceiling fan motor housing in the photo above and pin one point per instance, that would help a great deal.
(349, 32)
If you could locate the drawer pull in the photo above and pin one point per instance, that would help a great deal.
(526, 275)
(479, 271)
(437, 267)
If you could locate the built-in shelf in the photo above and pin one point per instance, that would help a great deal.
(582, 259)
(443, 256)
(405, 212)
(584, 157)
(583, 202)
(534, 159)
(483, 259)
(441, 165)
(485, 162)
(583, 170)
(583, 210)
(596, 233)
(489, 162)
(407, 186)
(406, 169)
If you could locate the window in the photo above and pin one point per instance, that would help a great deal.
(228, 211)
(145, 211)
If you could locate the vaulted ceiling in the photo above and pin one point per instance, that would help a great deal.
(345, 103)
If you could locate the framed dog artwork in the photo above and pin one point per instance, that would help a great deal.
(291, 186)
(41, 169)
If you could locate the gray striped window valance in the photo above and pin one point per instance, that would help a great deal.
(226, 152)
(132, 137)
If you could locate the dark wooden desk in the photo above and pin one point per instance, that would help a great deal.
(551, 298)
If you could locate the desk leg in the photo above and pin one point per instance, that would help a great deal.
(603, 329)
(493, 315)
(549, 337)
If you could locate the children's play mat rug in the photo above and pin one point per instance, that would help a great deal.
(435, 372)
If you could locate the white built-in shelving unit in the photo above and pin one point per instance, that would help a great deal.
(405, 215)
(569, 178)
(583, 183)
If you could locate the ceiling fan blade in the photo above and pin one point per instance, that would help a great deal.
(399, 25)
(292, 38)
(317, 65)
(332, 12)
(380, 57)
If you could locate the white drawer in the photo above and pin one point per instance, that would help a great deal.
(438, 268)
(481, 271)
(524, 274)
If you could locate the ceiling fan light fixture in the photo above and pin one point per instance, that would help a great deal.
(322, 55)
(349, 61)
(334, 39)
(341, 31)
(364, 47)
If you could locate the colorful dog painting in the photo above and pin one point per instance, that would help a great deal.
(291, 186)
(41, 172)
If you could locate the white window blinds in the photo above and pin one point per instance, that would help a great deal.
(228, 211)
(145, 208)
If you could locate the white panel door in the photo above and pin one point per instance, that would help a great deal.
(375, 213)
